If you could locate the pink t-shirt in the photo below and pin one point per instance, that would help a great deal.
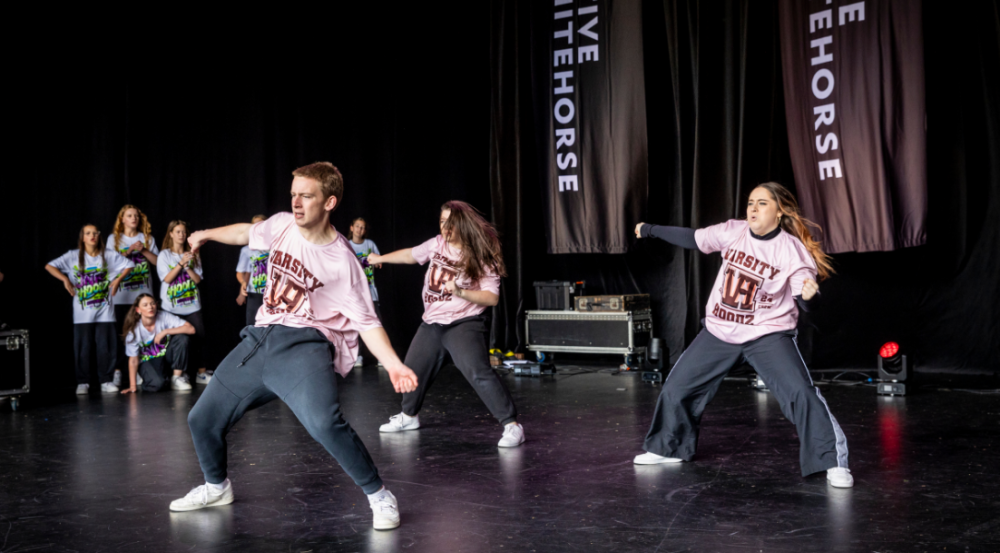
(440, 307)
(755, 291)
(312, 286)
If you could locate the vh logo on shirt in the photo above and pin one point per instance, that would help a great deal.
(442, 271)
(289, 285)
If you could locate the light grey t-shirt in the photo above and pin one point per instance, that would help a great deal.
(92, 303)
(362, 251)
(140, 280)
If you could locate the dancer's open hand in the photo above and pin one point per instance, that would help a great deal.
(403, 379)
(197, 238)
(809, 289)
(638, 230)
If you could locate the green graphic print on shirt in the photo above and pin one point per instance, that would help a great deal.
(92, 286)
(183, 290)
(139, 277)
(152, 350)
(258, 274)
(369, 270)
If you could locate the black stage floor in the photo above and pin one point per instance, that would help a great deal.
(97, 475)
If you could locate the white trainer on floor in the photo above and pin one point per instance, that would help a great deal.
(400, 422)
(138, 380)
(117, 379)
(385, 510)
(513, 435)
(654, 459)
(839, 477)
(203, 496)
(203, 378)
(180, 382)
(82, 389)
(109, 388)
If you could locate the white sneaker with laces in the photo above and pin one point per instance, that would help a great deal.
(82, 389)
(513, 435)
(117, 379)
(180, 382)
(204, 496)
(109, 388)
(840, 477)
(203, 378)
(654, 459)
(400, 422)
(385, 510)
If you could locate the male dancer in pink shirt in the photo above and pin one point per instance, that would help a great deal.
(316, 297)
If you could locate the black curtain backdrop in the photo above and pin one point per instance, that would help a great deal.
(211, 137)
(716, 124)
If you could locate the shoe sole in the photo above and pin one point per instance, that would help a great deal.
(220, 503)
(393, 431)
(386, 525)
(836, 485)
(514, 445)
(667, 461)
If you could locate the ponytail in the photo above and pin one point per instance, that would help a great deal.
(795, 224)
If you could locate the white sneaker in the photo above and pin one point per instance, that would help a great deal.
(839, 477)
(180, 382)
(82, 389)
(203, 496)
(400, 422)
(109, 388)
(117, 379)
(138, 379)
(513, 435)
(360, 362)
(385, 510)
(654, 459)
(203, 378)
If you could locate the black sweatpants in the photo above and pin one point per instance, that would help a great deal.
(254, 301)
(90, 339)
(121, 311)
(196, 348)
(272, 362)
(465, 340)
(696, 377)
(156, 372)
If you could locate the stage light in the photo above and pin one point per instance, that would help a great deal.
(893, 370)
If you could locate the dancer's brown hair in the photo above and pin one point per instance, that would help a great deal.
(168, 242)
(144, 227)
(331, 182)
(481, 250)
(794, 223)
(83, 250)
(133, 317)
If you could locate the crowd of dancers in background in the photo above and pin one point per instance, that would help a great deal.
(120, 324)
(311, 300)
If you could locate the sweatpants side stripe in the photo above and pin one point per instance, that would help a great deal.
(839, 432)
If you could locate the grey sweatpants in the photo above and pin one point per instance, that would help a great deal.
(295, 365)
(696, 377)
(465, 340)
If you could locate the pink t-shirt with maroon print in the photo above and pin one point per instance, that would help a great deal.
(313, 286)
(440, 307)
(755, 291)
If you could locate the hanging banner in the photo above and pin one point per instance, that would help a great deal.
(854, 100)
(592, 110)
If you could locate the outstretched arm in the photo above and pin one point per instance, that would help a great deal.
(678, 236)
(234, 235)
(400, 257)
(403, 379)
